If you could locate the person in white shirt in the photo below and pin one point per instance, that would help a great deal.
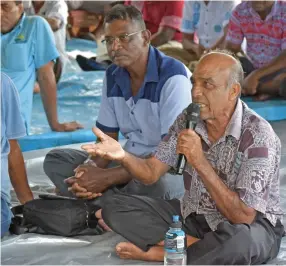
(56, 14)
(204, 28)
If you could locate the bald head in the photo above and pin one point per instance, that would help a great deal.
(216, 85)
(223, 62)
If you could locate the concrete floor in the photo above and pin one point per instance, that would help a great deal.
(280, 129)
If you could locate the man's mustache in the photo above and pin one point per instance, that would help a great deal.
(115, 54)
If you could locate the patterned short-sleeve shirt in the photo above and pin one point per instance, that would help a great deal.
(246, 159)
(265, 38)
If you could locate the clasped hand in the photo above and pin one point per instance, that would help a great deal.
(89, 181)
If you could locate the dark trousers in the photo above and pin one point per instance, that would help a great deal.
(248, 68)
(144, 221)
(59, 164)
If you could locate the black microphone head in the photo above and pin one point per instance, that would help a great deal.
(193, 112)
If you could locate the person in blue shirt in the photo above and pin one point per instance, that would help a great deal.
(143, 93)
(12, 162)
(28, 51)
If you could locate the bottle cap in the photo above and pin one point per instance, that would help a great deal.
(176, 222)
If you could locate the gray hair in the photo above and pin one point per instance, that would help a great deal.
(122, 12)
(236, 74)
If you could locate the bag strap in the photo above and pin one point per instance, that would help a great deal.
(18, 225)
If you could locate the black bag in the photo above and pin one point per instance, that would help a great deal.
(55, 215)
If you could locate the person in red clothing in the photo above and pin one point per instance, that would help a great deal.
(163, 19)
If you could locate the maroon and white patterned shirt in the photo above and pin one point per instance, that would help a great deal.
(246, 159)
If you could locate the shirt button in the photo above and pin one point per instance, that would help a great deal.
(206, 23)
(132, 113)
(204, 190)
(133, 144)
(140, 131)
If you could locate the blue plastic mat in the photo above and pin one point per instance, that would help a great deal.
(272, 110)
(80, 44)
(79, 96)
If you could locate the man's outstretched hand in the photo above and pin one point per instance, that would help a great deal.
(108, 148)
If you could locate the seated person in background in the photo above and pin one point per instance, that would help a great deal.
(56, 14)
(28, 50)
(263, 24)
(206, 20)
(143, 93)
(12, 162)
(231, 207)
(99, 8)
(163, 19)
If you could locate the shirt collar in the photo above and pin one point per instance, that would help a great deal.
(21, 22)
(233, 128)
(152, 67)
(273, 12)
(122, 77)
(235, 123)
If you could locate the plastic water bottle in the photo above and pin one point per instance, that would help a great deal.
(175, 249)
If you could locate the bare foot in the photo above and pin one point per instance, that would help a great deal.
(127, 250)
(101, 222)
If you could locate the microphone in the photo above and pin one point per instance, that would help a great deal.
(193, 115)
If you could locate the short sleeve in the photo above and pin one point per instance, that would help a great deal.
(58, 9)
(190, 20)
(166, 150)
(15, 127)
(106, 120)
(229, 7)
(259, 169)
(234, 32)
(173, 15)
(44, 45)
(175, 97)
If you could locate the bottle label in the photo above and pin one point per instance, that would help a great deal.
(180, 243)
(174, 242)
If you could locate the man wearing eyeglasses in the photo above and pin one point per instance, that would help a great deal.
(143, 93)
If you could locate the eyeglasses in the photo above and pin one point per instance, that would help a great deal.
(124, 38)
